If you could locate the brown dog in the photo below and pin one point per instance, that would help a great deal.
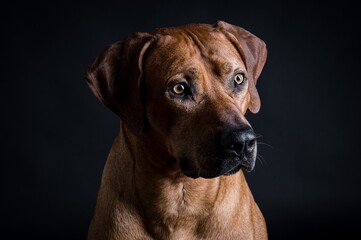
(174, 169)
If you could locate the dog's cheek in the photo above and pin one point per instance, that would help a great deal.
(159, 118)
(168, 124)
(182, 140)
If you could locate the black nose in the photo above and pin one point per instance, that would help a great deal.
(242, 141)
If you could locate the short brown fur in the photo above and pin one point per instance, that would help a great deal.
(144, 194)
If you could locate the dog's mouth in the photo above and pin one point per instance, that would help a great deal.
(236, 164)
(234, 170)
(246, 165)
(222, 167)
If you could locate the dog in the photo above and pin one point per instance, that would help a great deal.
(176, 168)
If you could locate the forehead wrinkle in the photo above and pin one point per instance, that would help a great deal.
(208, 50)
(166, 54)
(194, 72)
(221, 67)
(198, 42)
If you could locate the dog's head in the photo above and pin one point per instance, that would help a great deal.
(188, 88)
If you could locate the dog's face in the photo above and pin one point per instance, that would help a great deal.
(197, 83)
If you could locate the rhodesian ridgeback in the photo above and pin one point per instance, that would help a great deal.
(176, 169)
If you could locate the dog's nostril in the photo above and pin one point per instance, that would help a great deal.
(250, 145)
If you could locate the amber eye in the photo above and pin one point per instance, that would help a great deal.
(239, 78)
(178, 89)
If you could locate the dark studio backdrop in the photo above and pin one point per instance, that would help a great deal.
(56, 135)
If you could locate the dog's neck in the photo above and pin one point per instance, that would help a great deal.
(158, 179)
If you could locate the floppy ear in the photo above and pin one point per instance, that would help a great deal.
(253, 52)
(115, 77)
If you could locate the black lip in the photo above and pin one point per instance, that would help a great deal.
(247, 166)
(191, 174)
(235, 163)
(233, 170)
(243, 164)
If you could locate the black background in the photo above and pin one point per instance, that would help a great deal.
(56, 135)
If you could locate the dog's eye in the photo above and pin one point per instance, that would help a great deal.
(178, 89)
(239, 78)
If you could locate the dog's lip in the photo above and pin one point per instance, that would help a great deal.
(247, 168)
(191, 174)
(247, 165)
(242, 163)
(238, 167)
(234, 169)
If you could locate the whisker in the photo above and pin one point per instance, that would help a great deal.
(262, 160)
(266, 144)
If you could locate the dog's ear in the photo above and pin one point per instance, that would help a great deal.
(253, 52)
(115, 77)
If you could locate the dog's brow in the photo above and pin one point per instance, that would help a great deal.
(222, 68)
(226, 68)
(194, 73)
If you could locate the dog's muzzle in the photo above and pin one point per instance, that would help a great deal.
(239, 147)
(234, 149)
